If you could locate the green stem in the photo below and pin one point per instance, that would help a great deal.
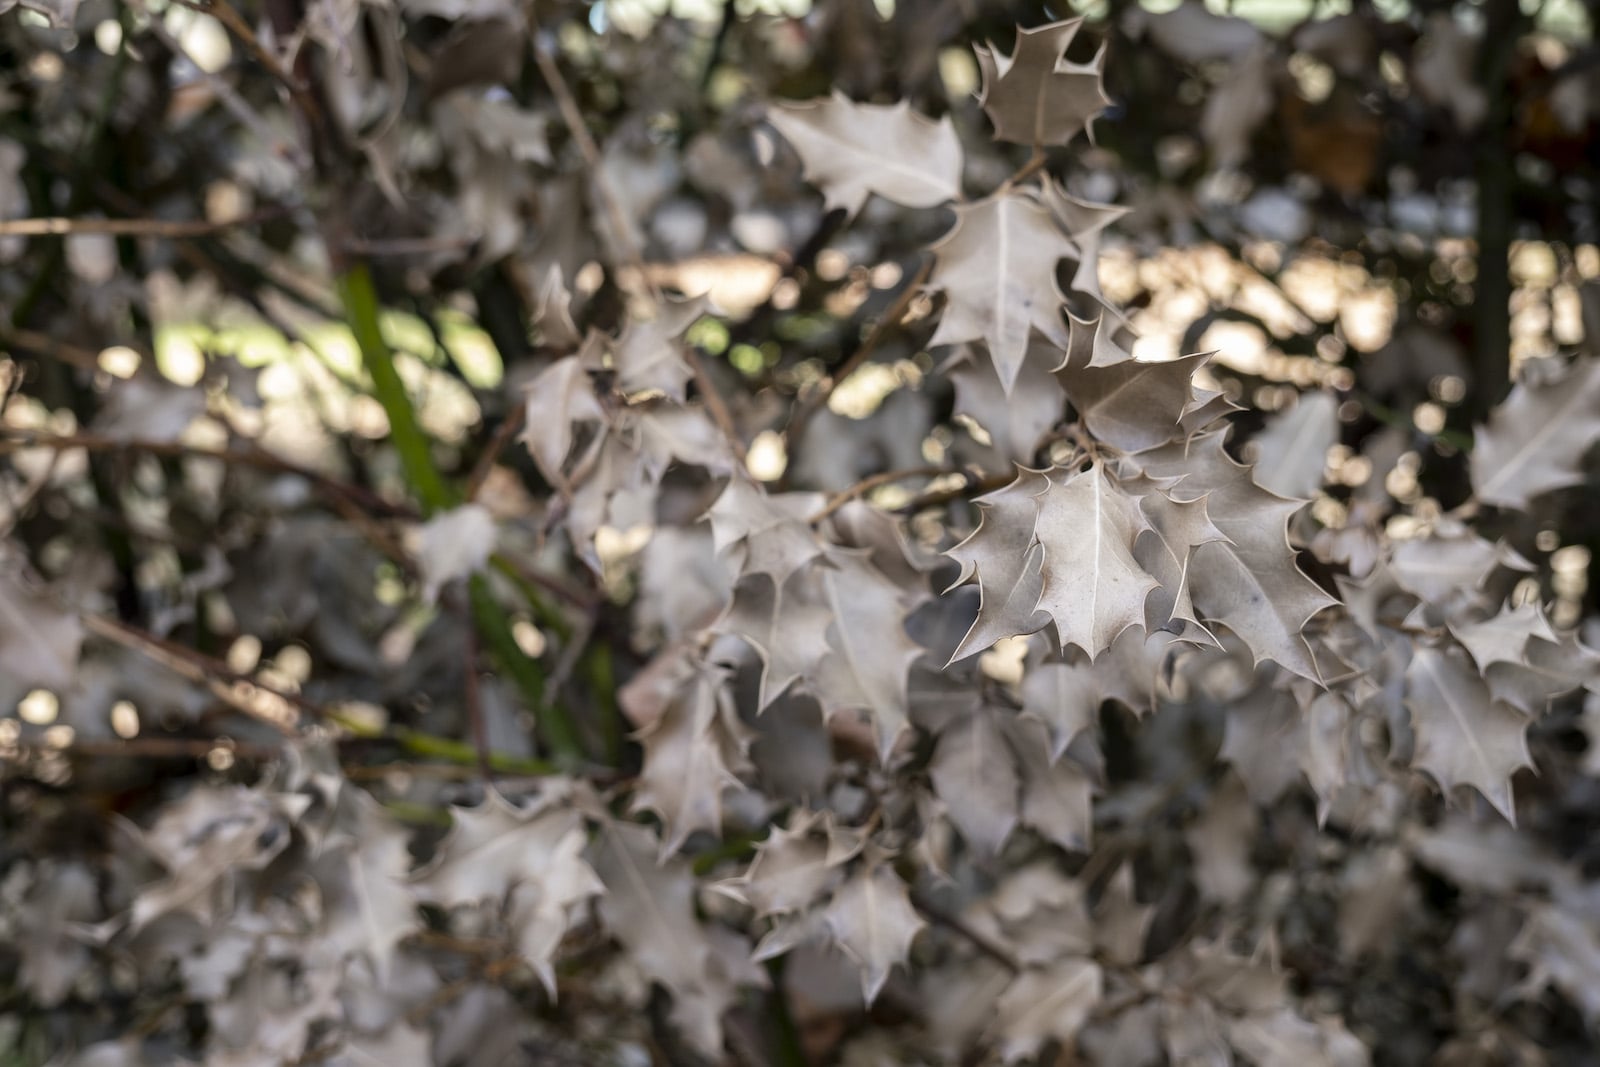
(448, 750)
(495, 629)
(416, 814)
(360, 302)
(547, 615)
(603, 685)
(789, 1051)
(736, 847)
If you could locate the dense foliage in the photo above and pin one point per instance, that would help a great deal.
(558, 534)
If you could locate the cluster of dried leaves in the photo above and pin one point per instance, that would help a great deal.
(1093, 771)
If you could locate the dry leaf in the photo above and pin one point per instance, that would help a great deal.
(852, 150)
(1035, 96)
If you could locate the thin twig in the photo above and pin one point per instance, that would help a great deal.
(229, 16)
(975, 484)
(1034, 164)
(277, 708)
(45, 345)
(163, 748)
(474, 699)
(939, 917)
(886, 322)
(254, 456)
(56, 226)
(866, 485)
(225, 93)
(508, 429)
(567, 104)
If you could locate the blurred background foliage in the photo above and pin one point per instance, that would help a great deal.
(1396, 201)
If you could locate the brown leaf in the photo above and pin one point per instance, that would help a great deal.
(1251, 582)
(852, 150)
(1464, 737)
(1093, 587)
(647, 355)
(689, 752)
(650, 907)
(1290, 453)
(1035, 96)
(1132, 404)
(975, 774)
(1536, 438)
(1002, 554)
(1044, 1004)
(872, 919)
(997, 268)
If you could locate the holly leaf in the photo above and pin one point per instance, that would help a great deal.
(1437, 567)
(974, 773)
(551, 313)
(1535, 440)
(1056, 792)
(1035, 96)
(1017, 422)
(1290, 454)
(648, 354)
(532, 858)
(786, 625)
(1004, 557)
(791, 871)
(760, 533)
(1044, 1004)
(872, 919)
(1503, 638)
(997, 268)
(650, 908)
(852, 150)
(560, 398)
(367, 906)
(1093, 587)
(1250, 583)
(1132, 404)
(869, 655)
(1464, 736)
(1165, 549)
(39, 640)
(688, 749)
(1065, 698)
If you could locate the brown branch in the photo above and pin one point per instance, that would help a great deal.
(572, 117)
(45, 345)
(888, 321)
(976, 484)
(866, 485)
(228, 15)
(503, 435)
(172, 228)
(939, 917)
(275, 707)
(1034, 164)
(164, 748)
(254, 456)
